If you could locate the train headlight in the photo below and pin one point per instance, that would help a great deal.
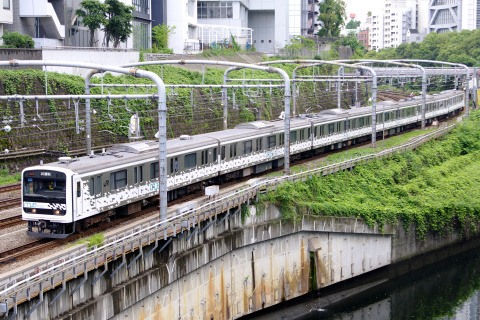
(34, 210)
(56, 212)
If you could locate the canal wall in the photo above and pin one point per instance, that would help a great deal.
(235, 268)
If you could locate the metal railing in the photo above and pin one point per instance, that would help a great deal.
(41, 277)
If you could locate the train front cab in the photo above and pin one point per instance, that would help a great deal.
(47, 204)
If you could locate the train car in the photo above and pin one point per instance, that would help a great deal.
(71, 194)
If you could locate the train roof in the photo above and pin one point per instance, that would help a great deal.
(141, 151)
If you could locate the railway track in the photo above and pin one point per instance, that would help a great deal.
(10, 222)
(42, 245)
(9, 203)
(10, 187)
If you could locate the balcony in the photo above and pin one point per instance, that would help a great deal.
(43, 10)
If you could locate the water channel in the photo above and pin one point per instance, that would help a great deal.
(446, 290)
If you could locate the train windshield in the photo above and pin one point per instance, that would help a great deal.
(44, 184)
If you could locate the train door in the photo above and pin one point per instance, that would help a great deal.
(138, 179)
(78, 197)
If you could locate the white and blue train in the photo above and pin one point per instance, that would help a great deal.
(62, 197)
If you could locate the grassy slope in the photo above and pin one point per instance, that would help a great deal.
(436, 187)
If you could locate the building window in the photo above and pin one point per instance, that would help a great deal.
(140, 6)
(214, 10)
(6, 4)
(80, 37)
(141, 35)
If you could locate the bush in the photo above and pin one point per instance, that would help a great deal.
(17, 40)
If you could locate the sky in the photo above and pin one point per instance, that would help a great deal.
(361, 7)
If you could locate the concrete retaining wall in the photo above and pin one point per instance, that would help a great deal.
(7, 54)
(235, 269)
(114, 58)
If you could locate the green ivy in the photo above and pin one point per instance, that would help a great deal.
(435, 187)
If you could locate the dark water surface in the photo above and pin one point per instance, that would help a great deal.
(446, 290)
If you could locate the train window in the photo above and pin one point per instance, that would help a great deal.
(92, 186)
(354, 122)
(79, 189)
(309, 133)
(347, 124)
(98, 189)
(315, 132)
(118, 179)
(293, 136)
(204, 157)
(302, 134)
(135, 175)
(272, 141)
(233, 150)
(247, 147)
(338, 126)
(331, 128)
(153, 170)
(171, 165)
(223, 153)
(398, 114)
(176, 164)
(190, 161)
(258, 146)
(387, 116)
(282, 139)
(214, 155)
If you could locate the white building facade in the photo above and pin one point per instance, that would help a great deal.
(53, 23)
(265, 24)
(377, 32)
(453, 15)
(6, 15)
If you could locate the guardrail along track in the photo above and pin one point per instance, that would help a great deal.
(78, 261)
(46, 244)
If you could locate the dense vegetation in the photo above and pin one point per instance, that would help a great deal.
(434, 187)
(457, 47)
(17, 40)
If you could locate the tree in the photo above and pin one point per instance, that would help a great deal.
(352, 24)
(17, 40)
(118, 24)
(161, 34)
(332, 18)
(93, 16)
(299, 42)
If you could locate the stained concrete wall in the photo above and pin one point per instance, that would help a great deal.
(225, 272)
(7, 54)
(234, 269)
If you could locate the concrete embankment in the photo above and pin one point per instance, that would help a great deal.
(233, 269)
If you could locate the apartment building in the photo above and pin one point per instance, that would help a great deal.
(6, 15)
(53, 23)
(268, 25)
